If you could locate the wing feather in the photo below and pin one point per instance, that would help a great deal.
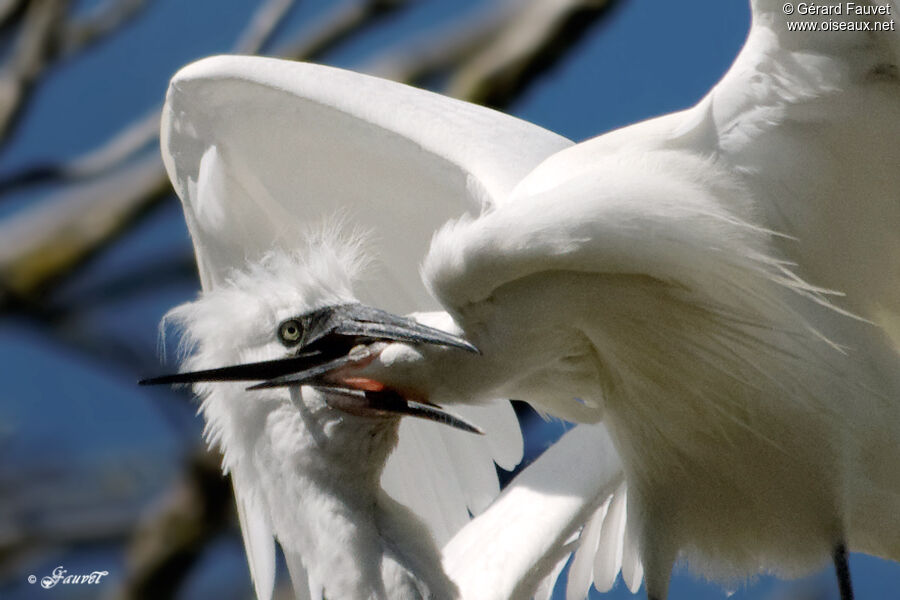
(301, 141)
(608, 559)
(259, 541)
(259, 150)
(420, 475)
(632, 568)
(509, 550)
(581, 571)
(544, 590)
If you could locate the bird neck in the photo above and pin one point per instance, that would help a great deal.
(332, 518)
(360, 543)
(531, 353)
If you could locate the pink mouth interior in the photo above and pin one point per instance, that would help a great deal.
(346, 375)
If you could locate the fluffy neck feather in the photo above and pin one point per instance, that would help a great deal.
(320, 475)
(306, 473)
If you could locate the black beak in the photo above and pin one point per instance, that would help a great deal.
(258, 371)
(372, 324)
(328, 335)
(331, 338)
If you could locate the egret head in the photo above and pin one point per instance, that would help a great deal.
(291, 319)
(306, 455)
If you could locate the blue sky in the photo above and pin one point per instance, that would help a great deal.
(59, 409)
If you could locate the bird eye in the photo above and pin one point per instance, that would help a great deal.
(290, 332)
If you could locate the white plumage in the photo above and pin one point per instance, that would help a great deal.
(302, 471)
(718, 286)
(226, 147)
(675, 276)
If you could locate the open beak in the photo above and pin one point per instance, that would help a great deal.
(389, 403)
(335, 337)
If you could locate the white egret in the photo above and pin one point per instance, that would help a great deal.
(237, 217)
(674, 276)
(308, 464)
(717, 285)
(307, 461)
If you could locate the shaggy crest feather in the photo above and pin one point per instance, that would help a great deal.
(304, 473)
(230, 323)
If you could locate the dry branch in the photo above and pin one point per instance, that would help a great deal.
(50, 240)
(10, 11)
(262, 25)
(35, 45)
(491, 57)
(345, 21)
(45, 35)
(168, 543)
(534, 40)
(106, 19)
(139, 134)
(113, 153)
(433, 54)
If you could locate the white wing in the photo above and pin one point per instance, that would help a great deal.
(256, 531)
(260, 150)
(301, 141)
(807, 124)
(813, 119)
(509, 549)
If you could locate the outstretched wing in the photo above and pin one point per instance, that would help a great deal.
(262, 150)
(301, 142)
(806, 122)
(811, 118)
(509, 550)
(795, 139)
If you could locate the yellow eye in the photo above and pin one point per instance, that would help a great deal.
(290, 332)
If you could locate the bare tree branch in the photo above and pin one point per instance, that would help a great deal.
(337, 27)
(530, 43)
(168, 543)
(41, 245)
(136, 136)
(494, 55)
(35, 45)
(263, 25)
(44, 36)
(106, 19)
(144, 131)
(437, 53)
(346, 20)
(10, 10)
(52, 240)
